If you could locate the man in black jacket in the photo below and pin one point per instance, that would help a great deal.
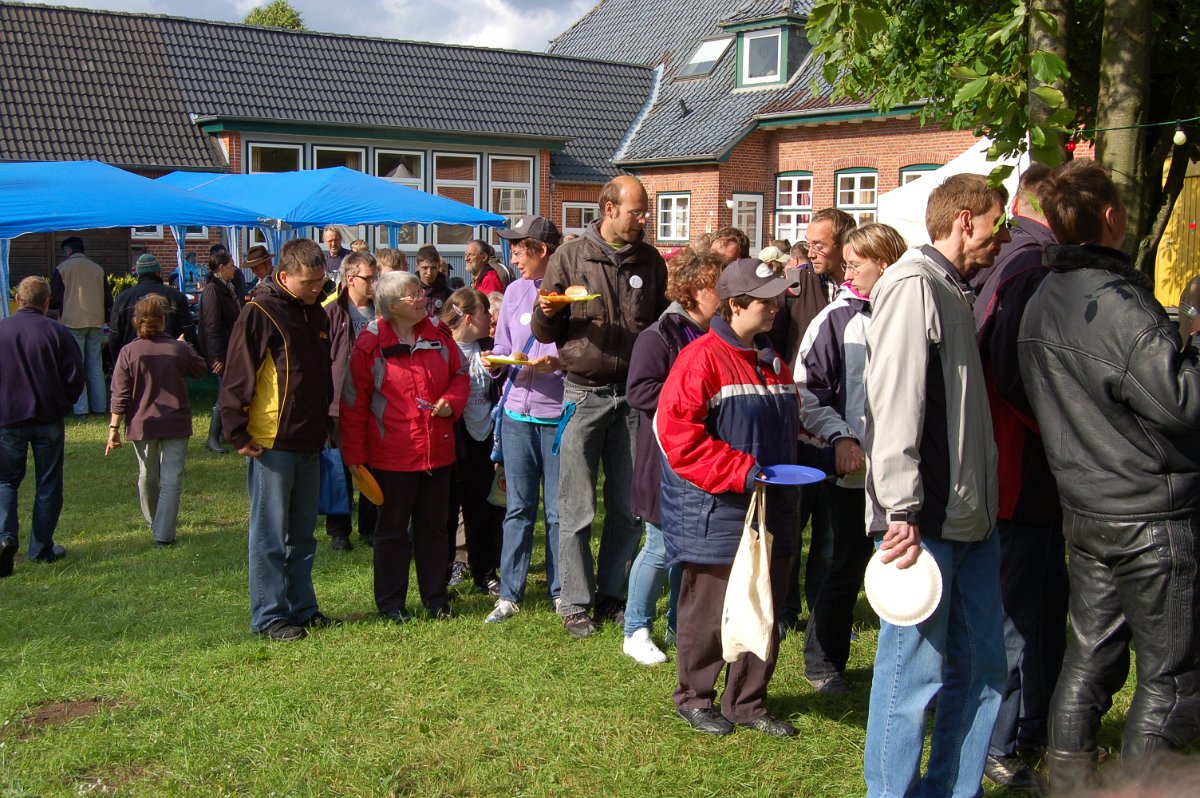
(179, 315)
(1117, 397)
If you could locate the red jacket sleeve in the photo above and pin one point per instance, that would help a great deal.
(354, 414)
(708, 463)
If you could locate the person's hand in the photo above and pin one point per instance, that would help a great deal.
(901, 543)
(181, 338)
(335, 434)
(251, 449)
(548, 307)
(544, 364)
(848, 456)
(217, 367)
(114, 441)
(441, 409)
(487, 364)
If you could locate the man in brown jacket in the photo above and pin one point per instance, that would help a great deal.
(595, 339)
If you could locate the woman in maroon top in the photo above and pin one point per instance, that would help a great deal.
(149, 391)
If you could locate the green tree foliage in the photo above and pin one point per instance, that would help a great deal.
(1027, 73)
(276, 14)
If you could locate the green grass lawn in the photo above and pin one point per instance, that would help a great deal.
(129, 670)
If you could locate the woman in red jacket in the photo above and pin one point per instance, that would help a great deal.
(406, 387)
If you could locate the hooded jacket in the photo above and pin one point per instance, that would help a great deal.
(436, 294)
(341, 342)
(385, 417)
(1115, 392)
(532, 394)
(277, 383)
(931, 457)
(219, 308)
(595, 338)
(725, 411)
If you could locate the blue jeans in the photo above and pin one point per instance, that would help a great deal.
(1034, 585)
(957, 656)
(646, 580)
(94, 396)
(283, 488)
(602, 431)
(46, 440)
(528, 466)
(160, 483)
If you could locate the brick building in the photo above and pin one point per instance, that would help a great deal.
(716, 104)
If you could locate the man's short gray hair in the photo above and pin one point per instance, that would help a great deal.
(390, 287)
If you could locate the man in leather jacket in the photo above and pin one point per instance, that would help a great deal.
(1116, 394)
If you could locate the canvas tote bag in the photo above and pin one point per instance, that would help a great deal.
(748, 616)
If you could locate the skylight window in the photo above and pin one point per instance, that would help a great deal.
(705, 58)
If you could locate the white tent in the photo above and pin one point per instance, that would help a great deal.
(904, 208)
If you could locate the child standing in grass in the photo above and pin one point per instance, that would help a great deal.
(150, 392)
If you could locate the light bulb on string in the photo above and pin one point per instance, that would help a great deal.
(1180, 137)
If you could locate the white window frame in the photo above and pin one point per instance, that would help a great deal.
(751, 36)
(712, 50)
(473, 185)
(668, 217)
(584, 208)
(149, 232)
(319, 148)
(754, 235)
(508, 186)
(255, 235)
(193, 235)
(910, 173)
(418, 183)
(793, 209)
(862, 202)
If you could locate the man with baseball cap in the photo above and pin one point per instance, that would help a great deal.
(728, 408)
(179, 315)
(595, 340)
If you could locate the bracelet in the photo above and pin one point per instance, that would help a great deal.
(114, 426)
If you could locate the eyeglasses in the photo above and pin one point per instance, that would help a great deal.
(412, 297)
(639, 214)
(817, 247)
(368, 280)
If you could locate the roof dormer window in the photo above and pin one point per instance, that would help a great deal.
(762, 57)
(705, 58)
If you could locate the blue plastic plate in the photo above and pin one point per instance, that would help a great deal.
(790, 475)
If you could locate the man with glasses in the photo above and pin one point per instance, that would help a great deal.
(825, 235)
(595, 339)
(350, 310)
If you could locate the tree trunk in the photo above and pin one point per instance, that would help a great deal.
(1041, 39)
(1124, 83)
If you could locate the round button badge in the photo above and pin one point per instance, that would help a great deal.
(635, 281)
(526, 318)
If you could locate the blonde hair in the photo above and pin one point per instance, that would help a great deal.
(150, 316)
(877, 241)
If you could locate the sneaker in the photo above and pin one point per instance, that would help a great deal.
(641, 648)
(341, 543)
(319, 620)
(440, 612)
(610, 611)
(458, 572)
(1011, 772)
(557, 602)
(8, 550)
(504, 610)
(283, 632)
(670, 638)
(493, 587)
(829, 684)
(578, 624)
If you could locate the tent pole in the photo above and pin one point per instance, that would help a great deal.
(4, 276)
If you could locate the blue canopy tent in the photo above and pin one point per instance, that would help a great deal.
(46, 196)
(338, 195)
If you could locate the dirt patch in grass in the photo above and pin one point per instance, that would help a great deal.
(110, 782)
(56, 713)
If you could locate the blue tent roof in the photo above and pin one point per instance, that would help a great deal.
(46, 196)
(337, 195)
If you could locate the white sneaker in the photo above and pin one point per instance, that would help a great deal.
(505, 609)
(641, 648)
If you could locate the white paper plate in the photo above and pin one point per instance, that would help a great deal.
(904, 597)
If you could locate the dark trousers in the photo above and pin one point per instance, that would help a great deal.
(419, 497)
(338, 526)
(1136, 582)
(471, 479)
(698, 657)
(831, 617)
(814, 508)
(1033, 585)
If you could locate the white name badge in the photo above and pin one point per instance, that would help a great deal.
(635, 281)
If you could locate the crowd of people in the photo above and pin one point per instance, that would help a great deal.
(988, 400)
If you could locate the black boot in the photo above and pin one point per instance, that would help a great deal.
(1071, 771)
(213, 444)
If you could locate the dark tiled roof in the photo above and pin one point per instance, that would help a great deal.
(134, 81)
(718, 114)
(751, 10)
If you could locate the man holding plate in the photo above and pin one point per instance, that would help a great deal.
(931, 490)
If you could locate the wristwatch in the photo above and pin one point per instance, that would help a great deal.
(902, 516)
